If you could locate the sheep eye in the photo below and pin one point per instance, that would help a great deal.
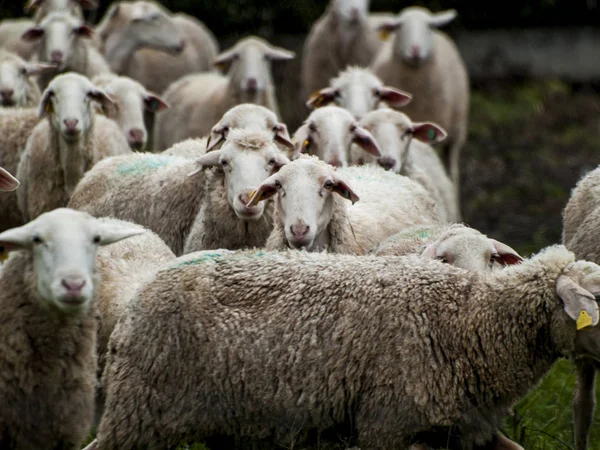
(96, 239)
(442, 259)
(277, 184)
(312, 127)
(376, 92)
(223, 163)
(597, 297)
(352, 128)
(328, 185)
(272, 162)
(37, 239)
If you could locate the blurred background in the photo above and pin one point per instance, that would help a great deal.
(534, 128)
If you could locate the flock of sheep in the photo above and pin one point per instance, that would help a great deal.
(243, 288)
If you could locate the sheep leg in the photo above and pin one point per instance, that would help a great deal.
(583, 405)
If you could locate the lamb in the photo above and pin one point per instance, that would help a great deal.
(44, 7)
(426, 63)
(156, 191)
(405, 149)
(358, 90)
(61, 39)
(8, 183)
(131, 101)
(49, 322)
(341, 37)
(16, 125)
(144, 41)
(17, 88)
(65, 145)
(308, 215)
(329, 132)
(403, 350)
(199, 100)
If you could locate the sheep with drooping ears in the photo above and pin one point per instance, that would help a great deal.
(426, 63)
(342, 211)
(48, 325)
(65, 145)
(199, 100)
(402, 351)
(18, 87)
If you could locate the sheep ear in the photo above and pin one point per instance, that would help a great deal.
(265, 191)
(32, 5)
(111, 232)
(30, 69)
(217, 136)
(208, 160)
(388, 27)
(366, 141)
(279, 54)
(506, 255)
(341, 188)
(394, 97)
(322, 98)
(19, 238)
(579, 304)
(428, 132)
(280, 161)
(442, 18)
(282, 136)
(33, 34)
(46, 104)
(301, 140)
(154, 103)
(429, 252)
(98, 95)
(84, 30)
(224, 59)
(8, 183)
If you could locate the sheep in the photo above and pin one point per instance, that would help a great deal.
(17, 88)
(329, 133)
(308, 215)
(131, 100)
(16, 125)
(44, 7)
(405, 149)
(341, 37)
(426, 63)
(61, 39)
(199, 100)
(49, 321)
(11, 31)
(358, 90)
(65, 145)
(403, 349)
(8, 183)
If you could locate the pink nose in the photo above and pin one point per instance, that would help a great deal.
(386, 162)
(6, 93)
(181, 46)
(244, 198)
(335, 162)
(299, 230)
(415, 51)
(136, 136)
(71, 124)
(73, 285)
(56, 56)
(251, 84)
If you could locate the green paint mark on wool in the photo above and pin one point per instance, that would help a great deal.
(422, 233)
(215, 257)
(151, 162)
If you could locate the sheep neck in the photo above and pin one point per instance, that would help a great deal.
(119, 53)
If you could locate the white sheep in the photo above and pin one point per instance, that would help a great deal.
(198, 101)
(358, 90)
(63, 40)
(342, 36)
(426, 63)
(44, 7)
(65, 145)
(329, 133)
(387, 351)
(17, 85)
(308, 215)
(131, 101)
(144, 41)
(405, 149)
(48, 317)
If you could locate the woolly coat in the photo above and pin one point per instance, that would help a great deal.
(47, 365)
(45, 183)
(150, 190)
(32, 94)
(585, 199)
(275, 345)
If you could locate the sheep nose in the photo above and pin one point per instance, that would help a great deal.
(386, 162)
(355, 13)
(252, 84)
(70, 124)
(56, 56)
(136, 137)
(335, 162)
(299, 230)
(73, 285)
(415, 51)
(6, 94)
(181, 46)
(244, 197)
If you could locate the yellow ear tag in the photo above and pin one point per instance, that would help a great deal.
(316, 99)
(49, 108)
(220, 66)
(255, 200)
(384, 35)
(584, 320)
(3, 254)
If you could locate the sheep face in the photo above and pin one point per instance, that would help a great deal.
(58, 34)
(250, 70)
(246, 159)
(329, 132)
(131, 100)
(304, 202)
(64, 243)
(393, 131)
(67, 101)
(414, 33)
(350, 11)
(359, 91)
(14, 79)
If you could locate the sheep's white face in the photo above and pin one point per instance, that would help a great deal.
(351, 11)
(304, 201)
(67, 100)
(144, 25)
(64, 243)
(131, 100)
(14, 79)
